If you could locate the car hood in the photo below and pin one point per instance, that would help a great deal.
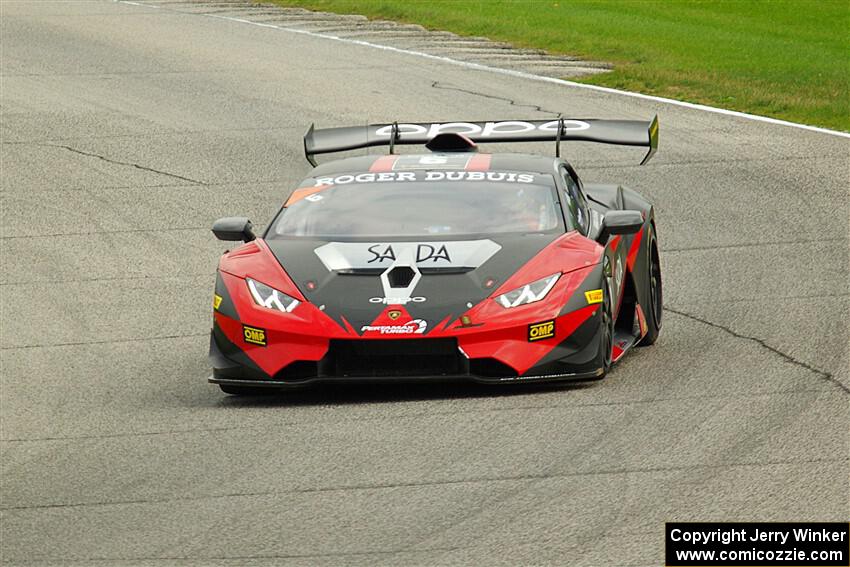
(434, 280)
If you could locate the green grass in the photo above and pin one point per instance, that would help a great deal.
(787, 59)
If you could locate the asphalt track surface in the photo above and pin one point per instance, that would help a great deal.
(127, 130)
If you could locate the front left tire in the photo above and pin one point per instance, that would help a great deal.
(606, 340)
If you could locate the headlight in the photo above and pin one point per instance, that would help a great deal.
(529, 293)
(271, 298)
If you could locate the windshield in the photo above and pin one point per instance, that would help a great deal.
(423, 203)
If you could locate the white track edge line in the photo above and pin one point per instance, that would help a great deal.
(518, 74)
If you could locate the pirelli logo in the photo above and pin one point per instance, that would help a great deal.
(254, 336)
(593, 296)
(540, 331)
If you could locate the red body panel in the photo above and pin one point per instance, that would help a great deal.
(488, 331)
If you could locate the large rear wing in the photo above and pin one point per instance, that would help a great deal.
(620, 132)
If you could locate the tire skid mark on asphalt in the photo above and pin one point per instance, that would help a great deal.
(154, 135)
(194, 558)
(108, 279)
(395, 485)
(755, 244)
(107, 74)
(287, 183)
(667, 163)
(111, 341)
(771, 298)
(97, 232)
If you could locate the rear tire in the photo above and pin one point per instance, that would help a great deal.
(655, 309)
(244, 390)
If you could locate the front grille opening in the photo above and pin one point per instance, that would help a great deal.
(298, 370)
(397, 357)
(490, 368)
(401, 276)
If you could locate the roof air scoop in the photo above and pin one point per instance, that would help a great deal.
(451, 142)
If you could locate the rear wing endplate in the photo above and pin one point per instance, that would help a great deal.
(619, 132)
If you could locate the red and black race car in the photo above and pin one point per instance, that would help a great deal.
(452, 264)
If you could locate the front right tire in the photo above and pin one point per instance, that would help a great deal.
(655, 309)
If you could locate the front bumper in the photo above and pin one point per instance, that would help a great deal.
(280, 384)
(575, 357)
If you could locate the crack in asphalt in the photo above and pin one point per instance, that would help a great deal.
(112, 161)
(787, 357)
(510, 101)
(421, 484)
(127, 163)
(406, 416)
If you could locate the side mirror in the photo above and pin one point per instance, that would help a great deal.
(620, 222)
(234, 228)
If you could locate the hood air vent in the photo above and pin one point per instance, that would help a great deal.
(400, 276)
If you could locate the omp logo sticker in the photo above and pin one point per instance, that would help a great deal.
(540, 331)
(593, 296)
(254, 335)
(216, 301)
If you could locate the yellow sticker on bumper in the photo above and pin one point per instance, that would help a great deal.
(254, 335)
(540, 331)
(593, 296)
(216, 301)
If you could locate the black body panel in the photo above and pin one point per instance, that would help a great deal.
(620, 132)
(447, 294)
